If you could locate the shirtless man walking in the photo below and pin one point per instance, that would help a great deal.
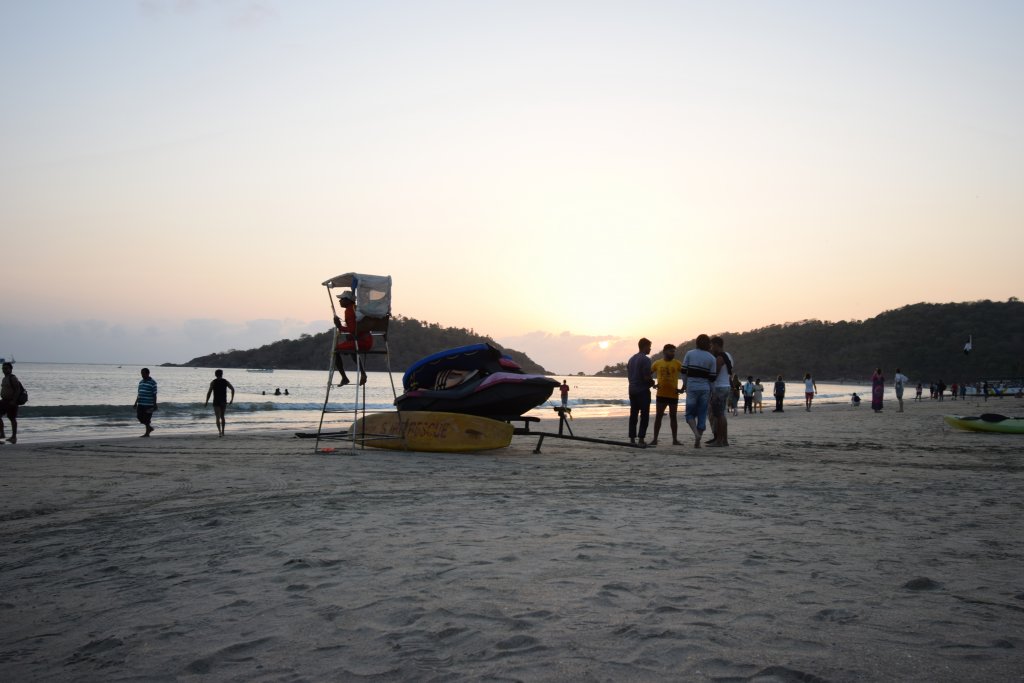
(219, 389)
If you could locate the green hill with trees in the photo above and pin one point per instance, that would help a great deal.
(409, 340)
(925, 341)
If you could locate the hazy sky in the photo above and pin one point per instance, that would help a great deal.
(179, 176)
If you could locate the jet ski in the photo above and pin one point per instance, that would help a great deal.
(474, 380)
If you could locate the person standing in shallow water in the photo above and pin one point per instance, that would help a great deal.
(638, 370)
(877, 390)
(145, 401)
(219, 389)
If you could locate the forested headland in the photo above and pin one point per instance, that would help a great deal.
(926, 341)
(410, 340)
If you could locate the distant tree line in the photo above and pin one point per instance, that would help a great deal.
(925, 341)
(410, 340)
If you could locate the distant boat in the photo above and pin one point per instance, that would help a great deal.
(259, 369)
(7, 360)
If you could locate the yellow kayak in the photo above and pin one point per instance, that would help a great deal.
(988, 422)
(431, 431)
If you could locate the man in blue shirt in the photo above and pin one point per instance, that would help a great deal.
(145, 402)
(638, 370)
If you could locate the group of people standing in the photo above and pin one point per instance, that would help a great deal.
(706, 372)
(709, 382)
(937, 389)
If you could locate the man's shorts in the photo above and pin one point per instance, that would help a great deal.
(697, 407)
(365, 343)
(719, 401)
(899, 391)
(661, 402)
(9, 409)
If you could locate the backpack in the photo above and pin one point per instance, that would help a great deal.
(728, 362)
(22, 395)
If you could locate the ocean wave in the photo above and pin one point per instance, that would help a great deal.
(171, 409)
(583, 403)
(596, 402)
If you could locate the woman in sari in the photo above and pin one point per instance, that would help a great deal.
(877, 389)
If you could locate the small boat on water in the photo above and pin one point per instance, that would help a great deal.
(7, 360)
(259, 369)
(987, 422)
(473, 380)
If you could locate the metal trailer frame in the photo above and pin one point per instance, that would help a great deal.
(563, 424)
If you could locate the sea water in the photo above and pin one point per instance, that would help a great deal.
(71, 401)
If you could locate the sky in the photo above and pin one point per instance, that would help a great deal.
(178, 177)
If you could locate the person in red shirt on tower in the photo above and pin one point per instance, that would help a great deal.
(350, 339)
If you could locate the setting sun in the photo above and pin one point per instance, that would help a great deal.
(603, 345)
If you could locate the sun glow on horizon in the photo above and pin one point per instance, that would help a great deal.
(519, 169)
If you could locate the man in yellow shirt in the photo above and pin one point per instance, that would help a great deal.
(666, 371)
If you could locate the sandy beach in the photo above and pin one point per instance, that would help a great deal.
(835, 545)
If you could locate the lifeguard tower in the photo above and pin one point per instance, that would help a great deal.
(373, 315)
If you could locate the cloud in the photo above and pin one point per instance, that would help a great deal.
(154, 342)
(568, 353)
(234, 13)
(251, 15)
(101, 341)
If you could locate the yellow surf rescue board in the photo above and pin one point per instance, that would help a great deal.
(432, 432)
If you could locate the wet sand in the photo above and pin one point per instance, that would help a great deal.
(836, 545)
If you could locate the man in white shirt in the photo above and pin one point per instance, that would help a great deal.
(900, 380)
(720, 393)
